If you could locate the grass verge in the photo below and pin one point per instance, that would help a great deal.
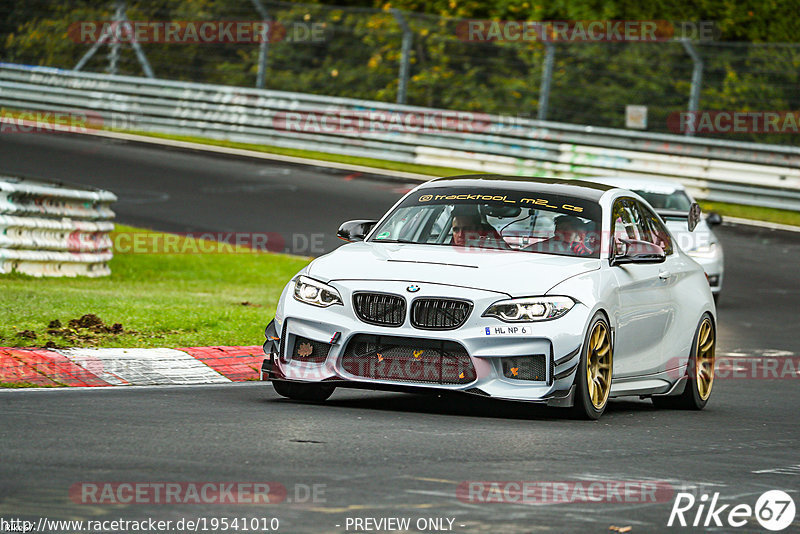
(753, 212)
(431, 170)
(158, 300)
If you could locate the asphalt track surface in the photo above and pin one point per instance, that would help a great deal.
(184, 191)
(377, 454)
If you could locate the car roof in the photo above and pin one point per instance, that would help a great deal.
(558, 186)
(655, 185)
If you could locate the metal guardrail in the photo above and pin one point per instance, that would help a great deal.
(51, 230)
(713, 169)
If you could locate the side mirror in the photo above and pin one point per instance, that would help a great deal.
(714, 219)
(694, 216)
(355, 230)
(634, 251)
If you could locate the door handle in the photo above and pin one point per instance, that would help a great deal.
(664, 275)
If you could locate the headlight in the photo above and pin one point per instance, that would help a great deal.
(706, 251)
(315, 293)
(530, 309)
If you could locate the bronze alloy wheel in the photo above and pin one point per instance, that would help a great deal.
(598, 365)
(699, 371)
(704, 364)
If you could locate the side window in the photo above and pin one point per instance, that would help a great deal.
(660, 235)
(622, 223)
(628, 223)
(631, 222)
(640, 223)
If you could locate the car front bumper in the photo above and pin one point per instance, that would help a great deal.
(488, 343)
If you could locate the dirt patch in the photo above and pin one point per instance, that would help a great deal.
(95, 324)
(86, 329)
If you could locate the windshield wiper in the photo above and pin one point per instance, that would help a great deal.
(396, 241)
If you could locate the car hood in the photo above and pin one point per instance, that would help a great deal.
(513, 273)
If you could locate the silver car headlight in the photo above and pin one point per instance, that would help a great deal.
(706, 251)
(315, 293)
(530, 309)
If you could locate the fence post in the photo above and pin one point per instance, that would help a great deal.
(697, 82)
(547, 77)
(263, 46)
(113, 54)
(405, 56)
(118, 26)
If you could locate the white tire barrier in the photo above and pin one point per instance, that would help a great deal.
(51, 230)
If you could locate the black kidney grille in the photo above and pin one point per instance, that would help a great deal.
(532, 368)
(381, 309)
(408, 360)
(439, 313)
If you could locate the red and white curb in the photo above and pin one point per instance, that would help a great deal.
(129, 367)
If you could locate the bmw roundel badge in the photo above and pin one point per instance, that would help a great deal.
(413, 288)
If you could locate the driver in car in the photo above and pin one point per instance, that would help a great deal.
(470, 230)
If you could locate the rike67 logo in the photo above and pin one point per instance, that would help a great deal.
(774, 510)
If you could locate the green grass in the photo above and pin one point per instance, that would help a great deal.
(161, 300)
(753, 212)
(431, 170)
(732, 210)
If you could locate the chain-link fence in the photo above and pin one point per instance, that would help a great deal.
(418, 59)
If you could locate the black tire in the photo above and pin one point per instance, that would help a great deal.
(303, 392)
(692, 397)
(584, 407)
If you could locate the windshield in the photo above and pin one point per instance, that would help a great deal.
(498, 219)
(674, 201)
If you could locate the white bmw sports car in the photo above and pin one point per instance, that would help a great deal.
(560, 292)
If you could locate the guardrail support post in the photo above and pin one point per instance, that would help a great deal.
(405, 56)
(697, 82)
(547, 77)
(263, 47)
